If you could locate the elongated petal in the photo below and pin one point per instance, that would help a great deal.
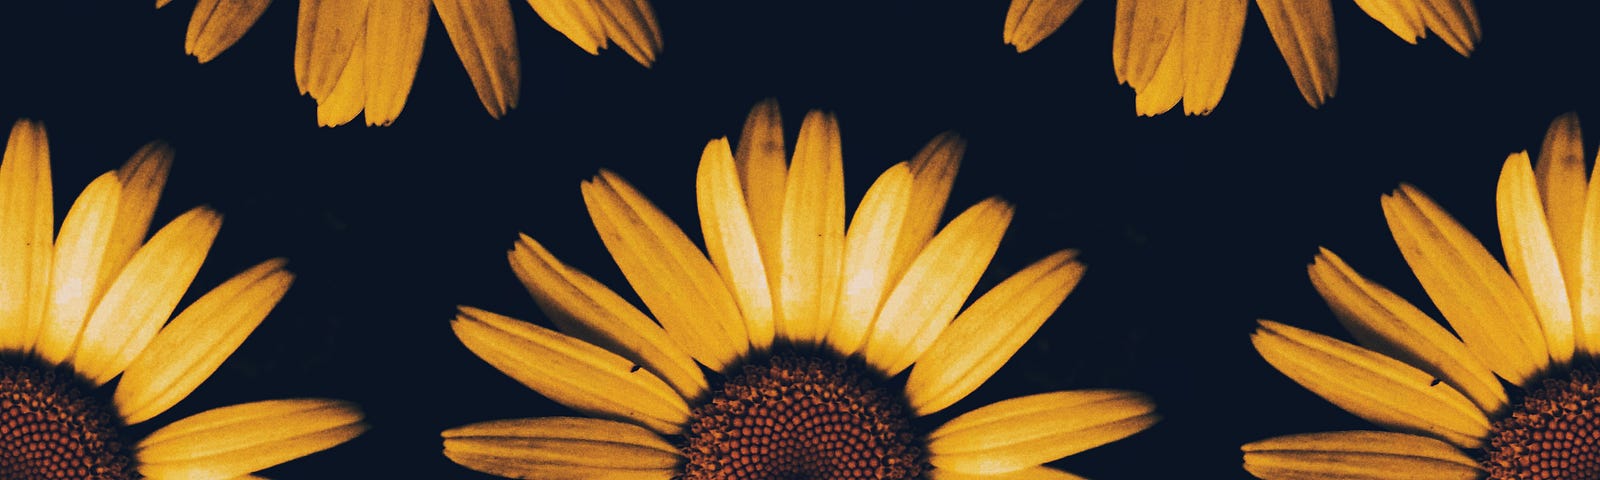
(79, 251)
(217, 24)
(1588, 321)
(579, 21)
(631, 25)
(922, 304)
(1027, 431)
(1304, 32)
(571, 372)
(1403, 17)
(563, 448)
(731, 240)
(232, 441)
(669, 273)
(1531, 253)
(1165, 88)
(143, 177)
(1358, 455)
(1211, 33)
(1387, 324)
(486, 41)
(989, 332)
(191, 348)
(1456, 22)
(1475, 294)
(1029, 22)
(143, 296)
(349, 94)
(396, 30)
(763, 172)
(933, 173)
(1034, 473)
(874, 229)
(27, 222)
(585, 309)
(812, 242)
(1371, 386)
(1562, 187)
(1144, 28)
(329, 32)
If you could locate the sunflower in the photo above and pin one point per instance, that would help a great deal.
(1171, 50)
(93, 303)
(361, 55)
(1536, 327)
(805, 326)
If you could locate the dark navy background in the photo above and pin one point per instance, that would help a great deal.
(1192, 227)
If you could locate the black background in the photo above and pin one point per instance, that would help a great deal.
(1192, 227)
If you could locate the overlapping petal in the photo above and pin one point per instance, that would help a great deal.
(562, 448)
(1027, 431)
(27, 222)
(233, 441)
(1358, 455)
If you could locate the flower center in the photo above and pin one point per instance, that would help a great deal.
(1553, 434)
(49, 429)
(801, 418)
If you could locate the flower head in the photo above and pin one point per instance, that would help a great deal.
(806, 326)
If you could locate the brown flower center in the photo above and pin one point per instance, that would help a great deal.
(1553, 434)
(49, 429)
(801, 418)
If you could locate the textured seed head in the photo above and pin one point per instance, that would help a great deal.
(50, 430)
(1553, 434)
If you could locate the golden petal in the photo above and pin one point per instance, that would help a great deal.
(232, 441)
(486, 40)
(631, 25)
(217, 24)
(1403, 17)
(1456, 22)
(812, 243)
(1305, 36)
(396, 30)
(329, 31)
(731, 240)
(1358, 455)
(1531, 253)
(1211, 33)
(142, 177)
(27, 223)
(1025, 432)
(1165, 88)
(763, 171)
(349, 94)
(1562, 186)
(933, 173)
(1144, 30)
(79, 251)
(874, 229)
(562, 448)
(579, 21)
(1029, 22)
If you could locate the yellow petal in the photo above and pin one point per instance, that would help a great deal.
(1371, 386)
(572, 372)
(922, 303)
(143, 296)
(329, 31)
(874, 229)
(631, 25)
(1588, 324)
(1456, 22)
(812, 233)
(349, 95)
(1562, 185)
(989, 332)
(933, 172)
(1532, 255)
(232, 441)
(142, 177)
(1144, 29)
(579, 21)
(760, 158)
(395, 33)
(1029, 22)
(191, 348)
(1304, 32)
(1165, 88)
(1403, 17)
(79, 250)
(668, 272)
(486, 41)
(1358, 455)
(1027, 431)
(1034, 473)
(1475, 294)
(217, 24)
(1387, 324)
(563, 448)
(731, 240)
(27, 223)
(1211, 33)
(585, 309)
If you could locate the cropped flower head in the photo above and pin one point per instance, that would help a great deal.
(355, 56)
(1510, 390)
(1172, 50)
(89, 305)
(778, 351)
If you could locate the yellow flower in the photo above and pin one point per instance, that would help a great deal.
(361, 55)
(1171, 50)
(1535, 327)
(802, 320)
(92, 303)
